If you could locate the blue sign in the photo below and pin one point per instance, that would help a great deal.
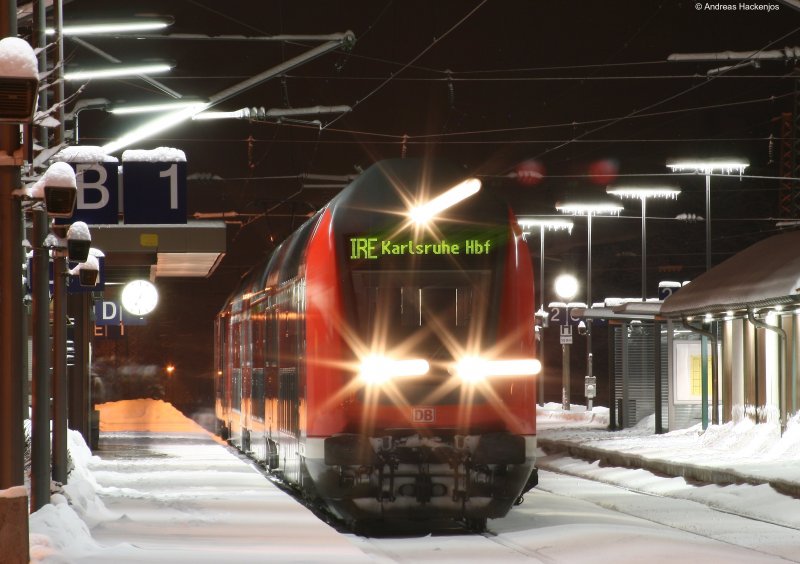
(98, 194)
(154, 192)
(109, 312)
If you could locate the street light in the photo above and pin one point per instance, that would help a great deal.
(642, 193)
(541, 314)
(707, 168)
(589, 209)
(566, 287)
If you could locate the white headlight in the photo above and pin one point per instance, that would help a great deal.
(475, 369)
(379, 369)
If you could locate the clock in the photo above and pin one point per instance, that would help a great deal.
(139, 297)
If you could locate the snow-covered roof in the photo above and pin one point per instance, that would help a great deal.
(159, 155)
(17, 58)
(764, 274)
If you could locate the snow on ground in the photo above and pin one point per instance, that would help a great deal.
(165, 491)
(752, 452)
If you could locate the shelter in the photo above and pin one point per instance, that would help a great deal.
(749, 306)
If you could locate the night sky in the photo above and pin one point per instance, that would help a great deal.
(581, 88)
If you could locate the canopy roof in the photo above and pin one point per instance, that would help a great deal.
(765, 274)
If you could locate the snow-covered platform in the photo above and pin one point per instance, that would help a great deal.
(740, 452)
(171, 492)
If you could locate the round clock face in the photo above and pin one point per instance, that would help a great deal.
(139, 297)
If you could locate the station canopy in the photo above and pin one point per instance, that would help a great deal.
(765, 274)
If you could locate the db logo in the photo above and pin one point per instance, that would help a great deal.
(423, 414)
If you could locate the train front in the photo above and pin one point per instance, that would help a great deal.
(436, 415)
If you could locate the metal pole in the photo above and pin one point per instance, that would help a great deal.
(12, 434)
(589, 296)
(541, 305)
(708, 222)
(704, 381)
(657, 375)
(78, 405)
(624, 416)
(565, 401)
(60, 367)
(644, 249)
(40, 422)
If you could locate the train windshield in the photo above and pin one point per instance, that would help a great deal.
(420, 313)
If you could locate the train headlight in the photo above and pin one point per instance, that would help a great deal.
(377, 370)
(475, 369)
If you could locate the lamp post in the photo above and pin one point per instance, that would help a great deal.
(566, 286)
(707, 168)
(642, 193)
(541, 314)
(589, 209)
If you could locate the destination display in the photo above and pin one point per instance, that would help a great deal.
(373, 248)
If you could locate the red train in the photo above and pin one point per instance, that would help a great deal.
(382, 360)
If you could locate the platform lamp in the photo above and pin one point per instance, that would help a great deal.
(589, 209)
(707, 168)
(19, 86)
(643, 193)
(528, 224)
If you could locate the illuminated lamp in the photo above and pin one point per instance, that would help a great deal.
(423, 213)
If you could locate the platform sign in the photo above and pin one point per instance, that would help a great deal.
(98, 193)
(110, 312)
(563, 316)
(154, 192)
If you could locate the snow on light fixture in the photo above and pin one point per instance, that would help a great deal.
(546, 223)
(116, 72)
(589, 208)
(423, 213)
(723, 166)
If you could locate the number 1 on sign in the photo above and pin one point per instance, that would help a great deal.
(172, 174)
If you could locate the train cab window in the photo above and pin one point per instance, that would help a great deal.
(401, 302)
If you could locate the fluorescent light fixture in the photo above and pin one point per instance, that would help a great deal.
(725, 166)
(208, 116)
(642, 192)
(154, 126)
(110, 27)
(589, 208)
(115, 72)
(423, 214)
(152, 108)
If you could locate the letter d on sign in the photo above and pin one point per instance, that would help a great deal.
(109, 311)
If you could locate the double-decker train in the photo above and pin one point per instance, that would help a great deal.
(382, 359)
